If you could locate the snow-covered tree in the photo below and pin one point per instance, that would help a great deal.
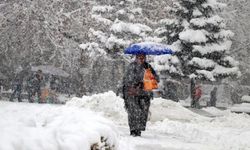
(200, 39)
(118, 24)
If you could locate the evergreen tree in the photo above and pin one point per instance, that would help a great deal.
(117, 24)
(200, 39)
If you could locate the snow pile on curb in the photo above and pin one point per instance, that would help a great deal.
(245, 98)
(108, 103)
(216, 112)
(46, 127)
(112, 107)
(243, 107)
(228, 131)
(161, 109)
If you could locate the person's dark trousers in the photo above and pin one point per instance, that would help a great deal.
(39, 93)
(17, 92)
(135, 133)
(30, 99)
(192, 103)
(213, 103)
(195, 103)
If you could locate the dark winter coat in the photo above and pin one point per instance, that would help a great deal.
(192, 88)
(37, 83)
(137, 101)
(18, 81)
(213, 97)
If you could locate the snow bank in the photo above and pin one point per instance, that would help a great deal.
(112, 107)
(245, 98)
(47, 127)
(108, 103)
(162, 109)
(244, 107)
(228, 132)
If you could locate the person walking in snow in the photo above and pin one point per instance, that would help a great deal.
(18, 84)
(197, 95)
(192, 90)
(213, 97)
(136, 98)
(36, 86)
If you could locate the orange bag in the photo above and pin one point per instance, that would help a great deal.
(149, 81)
(44, 95)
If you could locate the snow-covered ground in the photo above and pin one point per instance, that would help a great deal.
(25, 126)
(82, 121)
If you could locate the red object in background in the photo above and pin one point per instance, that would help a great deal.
(198, 92)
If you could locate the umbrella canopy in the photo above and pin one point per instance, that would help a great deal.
(46, 69)
(148, 48)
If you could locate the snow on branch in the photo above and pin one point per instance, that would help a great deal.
(113, 40)
(99, 34)
(93, 49)
(231, 61)
(167, 62)
(202, 63)
(224, 34)
(193, 36)
(100, 19)
(206, 74)
(214, 20)
(102, 9)
(215, 47)
(220, 70)
(214, 4)
(137, 28)
(197, 13)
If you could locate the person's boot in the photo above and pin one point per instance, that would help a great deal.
(138, 133)
(132, 133)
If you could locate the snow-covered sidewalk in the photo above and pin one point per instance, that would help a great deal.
(82, 121)
(172, 126)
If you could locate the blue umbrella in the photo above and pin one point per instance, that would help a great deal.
(148, 48)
